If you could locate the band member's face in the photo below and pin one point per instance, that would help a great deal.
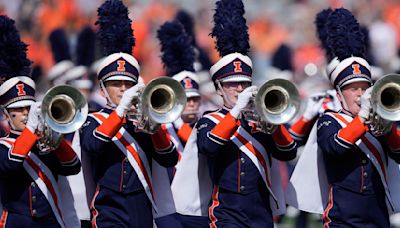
(116, 89)
(18, 117)
(232, 91)
(352, 95)
(191, 110)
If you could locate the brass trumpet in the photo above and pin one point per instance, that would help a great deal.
(385, 101)
(161, 101)
(64, 110)
(276, 102)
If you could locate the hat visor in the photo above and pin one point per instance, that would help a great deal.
(120, 78)
(82, 84)
(236, 78)
(20, 104)
(192, 94)
(355, 80)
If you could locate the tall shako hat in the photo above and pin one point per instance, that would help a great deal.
(116, 38)
(346, 42)
(232, 43)
(178, 56)
(202, 61)
(61, 55)
(17, 88)
(78, 76)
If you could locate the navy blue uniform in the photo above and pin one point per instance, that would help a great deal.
(357, 195)
(240, 196)
(22, 200)
(120, 198)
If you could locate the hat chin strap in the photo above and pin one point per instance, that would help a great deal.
(227, 101)
(344, 103)
(109, 101)
(11, 122)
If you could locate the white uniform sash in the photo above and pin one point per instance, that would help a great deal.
(136, 156)
(192, 185)
(173, 136)
(308, 188)
(50, 188)
(258, 155)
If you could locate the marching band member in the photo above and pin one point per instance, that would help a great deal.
(29, 177)
(120, 153)
(178, 57)
(240, 158)
(351, 174)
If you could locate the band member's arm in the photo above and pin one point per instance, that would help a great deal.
(211, 137)
(393, 141)
(335, 140)
(92, 141)
(165, 152)
(301, 128)
(69, 161)
(184, 132)
(12, 159)
(286, 147)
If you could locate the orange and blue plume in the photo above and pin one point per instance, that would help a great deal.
(13, 58)
(176, 47)
(115, 33)
(230, 29)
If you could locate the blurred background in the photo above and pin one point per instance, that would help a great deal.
(282, 38)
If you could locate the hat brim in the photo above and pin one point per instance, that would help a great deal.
(21, 104)
(353, 80)
(120, 78)
(192, 94)
(236, 78)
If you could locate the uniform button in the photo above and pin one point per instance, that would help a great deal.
(364, 161)
(123, 186)
(364, 187)
(33, 185)
(34, 213)
(33, 199)
(242, 174)
(242, 160)
(365, 174)
(242, 188)
(125, 172)
(126, 160)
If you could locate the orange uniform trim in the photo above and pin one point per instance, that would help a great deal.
(3, 218)
(24, 143)
(161, 140)
(353, 131)
(64, 152)
(226, 128)
(111, 125)
(215, 203)
(302, 126)
(282, 137)
(184, 132)
(393, 138)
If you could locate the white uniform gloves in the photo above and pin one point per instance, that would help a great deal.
(33, 117)
(242, 101)
(365, 104)
(126, 101)
(314, 105)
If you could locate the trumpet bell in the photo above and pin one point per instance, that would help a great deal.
(277, 101)
(164, 100)
(64, 109)
(385, 97)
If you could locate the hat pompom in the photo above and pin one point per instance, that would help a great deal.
(345, 37)
(230, 29)
(115, 33)
(13, 58)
